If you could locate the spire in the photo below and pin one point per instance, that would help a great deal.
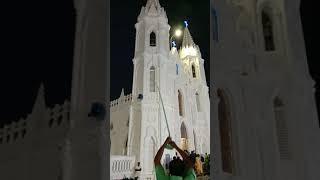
(188, 47)
(153, 2)
(39, 107)
(187, 38)
(40, 99)
(153, 7)
(122, 92)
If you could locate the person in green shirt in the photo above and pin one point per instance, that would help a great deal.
(178, 170)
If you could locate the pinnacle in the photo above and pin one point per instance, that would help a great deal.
(187, 38)
(153, 7)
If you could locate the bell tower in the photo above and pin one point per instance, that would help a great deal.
(198, 114)
(147, 124)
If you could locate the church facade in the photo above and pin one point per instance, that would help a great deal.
(164, 78)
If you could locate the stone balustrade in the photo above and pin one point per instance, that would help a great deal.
(121, 166)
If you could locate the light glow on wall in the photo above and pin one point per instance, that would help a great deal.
(188, 51)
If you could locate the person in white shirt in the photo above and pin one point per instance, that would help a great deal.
(137, 170)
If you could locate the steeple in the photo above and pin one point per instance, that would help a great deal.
(187, 38)
(40, 99)
(39, 109)
(153, 8)
(188, 47)
(122, 92)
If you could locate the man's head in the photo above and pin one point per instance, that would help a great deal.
(176, 167)
(138, 163)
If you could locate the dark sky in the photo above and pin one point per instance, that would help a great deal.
(37, 45)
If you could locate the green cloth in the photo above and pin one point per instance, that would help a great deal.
(161, 175)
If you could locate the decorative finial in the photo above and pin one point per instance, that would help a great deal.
(186, 24)
(122, 92)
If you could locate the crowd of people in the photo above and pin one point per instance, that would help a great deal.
(201, 163)
(187, 165)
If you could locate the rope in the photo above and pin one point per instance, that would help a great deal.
(165, 115)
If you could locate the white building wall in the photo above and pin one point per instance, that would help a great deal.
(31, 148)
(252, 79)
(119, 116)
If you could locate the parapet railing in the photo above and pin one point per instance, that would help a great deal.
(121, 166)
(121, 100)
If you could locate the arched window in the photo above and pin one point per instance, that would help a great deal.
(152, 79)
(198, 102)
(177, 69)
(193, 71)
(281, 129)
(125, 147)
(180, 103)
(153, 39)
(195, 141)
(183, 130)
(215, 24)
(184, 137)
(225, 133)
(267, 26)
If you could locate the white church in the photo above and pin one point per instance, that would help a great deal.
(174, 77)
(263, 120)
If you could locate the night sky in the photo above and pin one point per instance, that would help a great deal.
(37, 46)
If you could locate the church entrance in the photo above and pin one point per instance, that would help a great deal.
(184, 137)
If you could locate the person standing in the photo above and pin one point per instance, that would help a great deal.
(137, 170)
(178, 170)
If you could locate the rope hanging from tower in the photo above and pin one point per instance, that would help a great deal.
(165, 116)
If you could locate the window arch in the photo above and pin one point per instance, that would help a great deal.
(184, 136)
(152, 79)
(267, 26)
(281, 128)
(193, 71)
(198, 102)
(177, 69)
(183, 130)
(180, 100)
(224, 117)
(126, 146)
(153, 39)
(195, 141)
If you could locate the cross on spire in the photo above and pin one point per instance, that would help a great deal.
(186, 23)
(187, 40)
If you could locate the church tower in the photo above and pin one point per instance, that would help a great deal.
(179, 76)
(150, 61)
(192, 82)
